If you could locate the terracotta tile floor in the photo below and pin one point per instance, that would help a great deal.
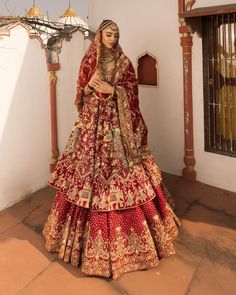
(205, 262)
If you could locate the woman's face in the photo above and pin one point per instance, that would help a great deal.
(110, 37)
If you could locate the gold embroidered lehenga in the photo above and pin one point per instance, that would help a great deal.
(111, 212)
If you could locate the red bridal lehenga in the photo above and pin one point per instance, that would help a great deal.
(111, 213)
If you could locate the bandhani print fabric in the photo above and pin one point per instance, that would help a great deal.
(112, 213)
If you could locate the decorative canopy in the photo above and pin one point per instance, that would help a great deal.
(34, 12)
(69, 12)
(71, 18)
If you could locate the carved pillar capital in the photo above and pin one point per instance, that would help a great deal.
(52, 77)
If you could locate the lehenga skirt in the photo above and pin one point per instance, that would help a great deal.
(110, 243)
(107, 217)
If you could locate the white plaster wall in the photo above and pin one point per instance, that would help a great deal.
(69, 58)
(24, 117)
(25, 146)
(153, 26)
(204, 3)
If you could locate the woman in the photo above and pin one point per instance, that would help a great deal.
(110, 212)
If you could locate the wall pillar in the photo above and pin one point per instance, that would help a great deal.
(52, 68)
(186, 42)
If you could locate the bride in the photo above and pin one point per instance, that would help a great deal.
(110, 213)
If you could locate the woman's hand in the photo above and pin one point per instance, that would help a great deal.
(93, 81)
(103, 87)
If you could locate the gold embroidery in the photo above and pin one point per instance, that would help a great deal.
(107, 166)
(106, 153)
(85, 194)
(147, 174)
(104, 255)
(53, 232)
(95, 259)
(113, 197)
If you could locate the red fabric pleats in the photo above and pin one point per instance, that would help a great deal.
(114, 242)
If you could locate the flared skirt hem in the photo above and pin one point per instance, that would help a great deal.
(111, 243)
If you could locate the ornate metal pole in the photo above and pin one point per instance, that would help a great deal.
(188, 171)
(52, 68)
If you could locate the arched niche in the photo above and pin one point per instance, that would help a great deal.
(147, 70)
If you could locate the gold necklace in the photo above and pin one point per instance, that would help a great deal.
(107, 56)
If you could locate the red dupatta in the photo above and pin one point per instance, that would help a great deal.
(133, 128)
